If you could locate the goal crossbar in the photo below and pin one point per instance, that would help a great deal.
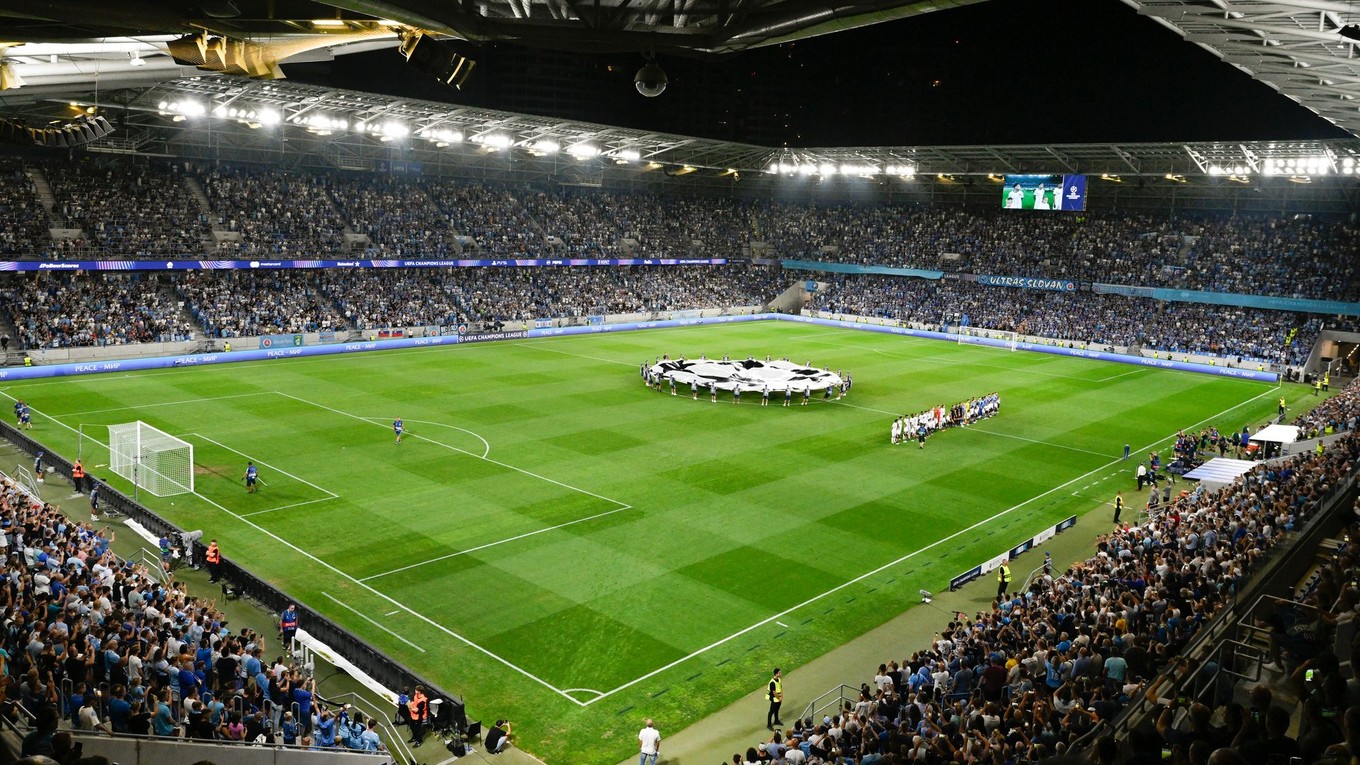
(151, 459)
(976, 336)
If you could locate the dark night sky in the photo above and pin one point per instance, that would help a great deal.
(1005, 71)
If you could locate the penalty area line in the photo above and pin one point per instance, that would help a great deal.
(908, 556)
(167, 403)
(498, 542)
(289, 507)
(450, 447)
(473, 433)
(393, 601)
(370, 620)
(280, 471)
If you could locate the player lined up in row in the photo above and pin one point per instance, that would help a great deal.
(921, 425)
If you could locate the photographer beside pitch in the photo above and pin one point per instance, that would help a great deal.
(498, 737)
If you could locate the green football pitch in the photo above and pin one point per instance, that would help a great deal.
(571, 550)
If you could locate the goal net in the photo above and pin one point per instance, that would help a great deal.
(976, 336)
(151, 459)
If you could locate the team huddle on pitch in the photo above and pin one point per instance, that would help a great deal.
(921, 425)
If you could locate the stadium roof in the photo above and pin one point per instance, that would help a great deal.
(373, 122)
(1294, 46)
(696, 27)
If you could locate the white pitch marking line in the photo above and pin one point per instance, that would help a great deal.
(976, 429)
(280, 471)
(392, 613)
(493, 544)
(906, 557)
(166, 403)
(370, 620)
(383, 596)
(1116, 377)
(401, 606)
(624, 505)
(931, 359)
(781, 624)
(474, 434)
(290, 507)
(542, 347)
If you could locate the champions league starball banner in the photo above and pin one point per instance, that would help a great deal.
(227, 265)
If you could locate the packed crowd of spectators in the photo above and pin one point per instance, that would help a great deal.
(235, 303)
(1338, 413)
(97, 644)
(1290, 257)
(400, 217)
(1083, 317)
(145, 209)
(23, 221)
(601, 224)
(276, 213)
(1046, 665)
(425, 297)
(65, 310)
(134, 209)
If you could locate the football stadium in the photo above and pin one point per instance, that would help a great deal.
(530, 381)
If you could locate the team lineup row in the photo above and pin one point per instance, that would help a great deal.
(962, 414)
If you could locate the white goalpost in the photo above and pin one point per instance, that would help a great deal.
(151, 459)
(973, 336)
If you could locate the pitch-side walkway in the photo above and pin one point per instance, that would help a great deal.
(742, 724)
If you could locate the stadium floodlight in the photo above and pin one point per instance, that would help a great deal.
(394, 130)
(860, 170)
(439, 58)
(495, 140)
(582, 151)
(546, 146)
(629, 155)
(268, 117)
(826, 169)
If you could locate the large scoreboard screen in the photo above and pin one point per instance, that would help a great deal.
(1044, 192)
